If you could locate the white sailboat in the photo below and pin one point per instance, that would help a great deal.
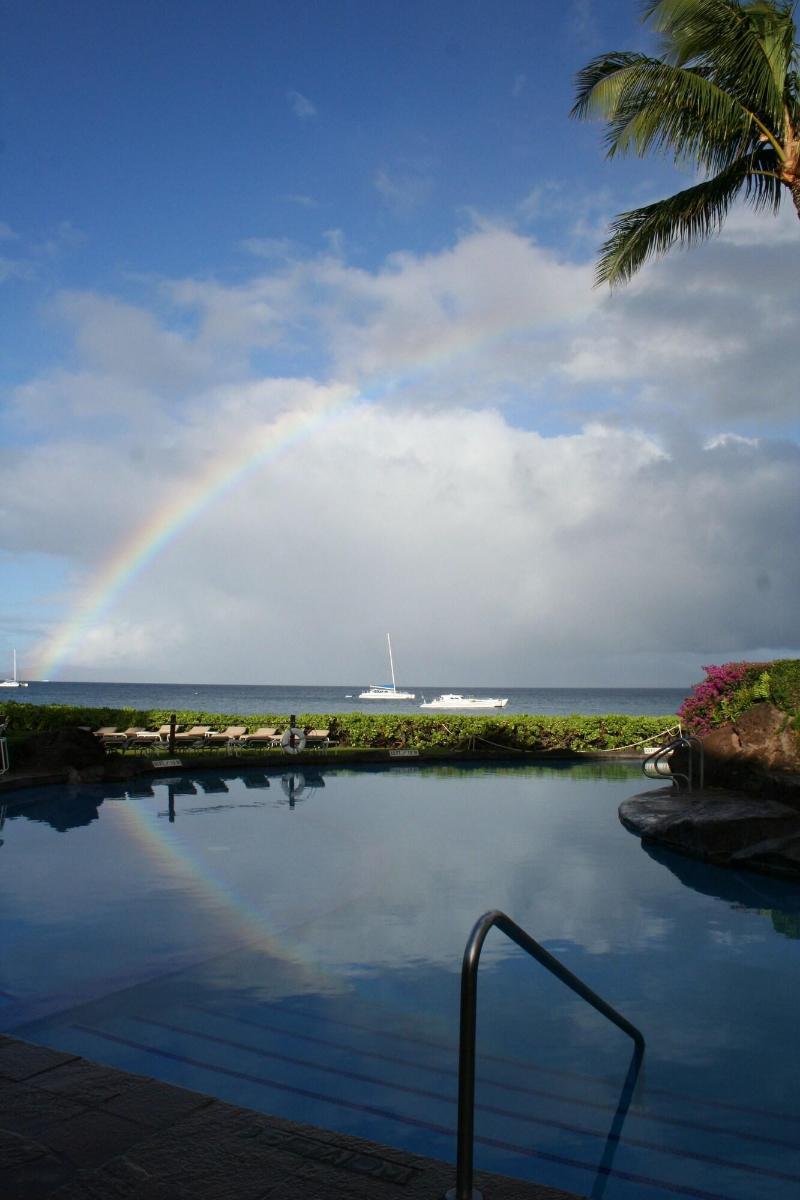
(13, 681)
(379, 691)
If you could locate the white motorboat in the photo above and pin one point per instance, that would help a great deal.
(13, 681)
(381, 691)
(455, 700)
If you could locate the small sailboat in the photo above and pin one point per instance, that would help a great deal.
(380, 691)
(13, 681)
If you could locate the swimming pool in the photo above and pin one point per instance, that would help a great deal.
(293, 943)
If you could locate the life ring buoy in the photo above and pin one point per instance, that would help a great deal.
(293, 739)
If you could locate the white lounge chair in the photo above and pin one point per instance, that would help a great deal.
(148, 737)
(232, 733)
(196, 734)
(266, 736)
(122, 738)
(108, 731)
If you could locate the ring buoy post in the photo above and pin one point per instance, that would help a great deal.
(293, 739)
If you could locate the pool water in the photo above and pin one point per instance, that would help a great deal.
(292, 943)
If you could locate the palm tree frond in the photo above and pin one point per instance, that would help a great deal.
(687, 217)
(598, 85)
(746, 48)
(724, 96)
(661, 107)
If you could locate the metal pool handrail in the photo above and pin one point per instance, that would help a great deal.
(469, 1011)
(651, 766)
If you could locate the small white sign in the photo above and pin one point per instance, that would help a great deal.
(166, 762)
(404, 754)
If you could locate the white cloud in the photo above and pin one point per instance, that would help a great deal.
(744, 227)
(540, 199)
(128, 341)
(63, 239)
(11, 268)
(302, 201)
(302, 107)
(402, 192)
(267, 247)
(707, 334)
(434, 505)
(438, 526)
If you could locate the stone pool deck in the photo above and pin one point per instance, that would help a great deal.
(71, 1129)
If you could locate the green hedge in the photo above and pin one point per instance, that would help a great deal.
(357, 729)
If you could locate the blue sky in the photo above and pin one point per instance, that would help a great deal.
(219, 219)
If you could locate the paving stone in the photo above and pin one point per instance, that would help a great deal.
(155, 1104)
(119, 1180)
(28, 1171)
(166, 1143)
(347, 1158)
(19, 1060)
(216, 1170)
(86, 1082)
(92, 1138)
(15, 1148)
(26, 1110)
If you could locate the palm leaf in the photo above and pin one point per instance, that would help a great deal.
(746, 48)
(663, 107)
(685, 218)
(652, 105)
(725, 96)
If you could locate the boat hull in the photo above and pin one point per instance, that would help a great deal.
(386, 694)
(454, 701)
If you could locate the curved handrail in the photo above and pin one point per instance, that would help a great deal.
(686, 741)
(469, 1009)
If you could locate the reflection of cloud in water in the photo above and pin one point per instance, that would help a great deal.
(366, 893)
(537, 846)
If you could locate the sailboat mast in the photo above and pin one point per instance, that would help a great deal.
(14, 659)
(391, 663)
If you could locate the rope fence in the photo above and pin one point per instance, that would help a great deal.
(652, 739)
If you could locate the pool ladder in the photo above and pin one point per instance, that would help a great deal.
(466, 1049)
(656, 765)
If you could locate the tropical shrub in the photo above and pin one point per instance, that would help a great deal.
(513, 734)
(731, 688)
(784, 682)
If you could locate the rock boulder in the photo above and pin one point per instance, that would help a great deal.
(719, 827)
(758, 753)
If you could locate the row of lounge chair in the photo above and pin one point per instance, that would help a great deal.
(233, 737)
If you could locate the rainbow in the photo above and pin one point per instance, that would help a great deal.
(189, 501)
(243, 922)
(161, 527)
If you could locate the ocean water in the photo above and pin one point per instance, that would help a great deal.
(232, 698)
